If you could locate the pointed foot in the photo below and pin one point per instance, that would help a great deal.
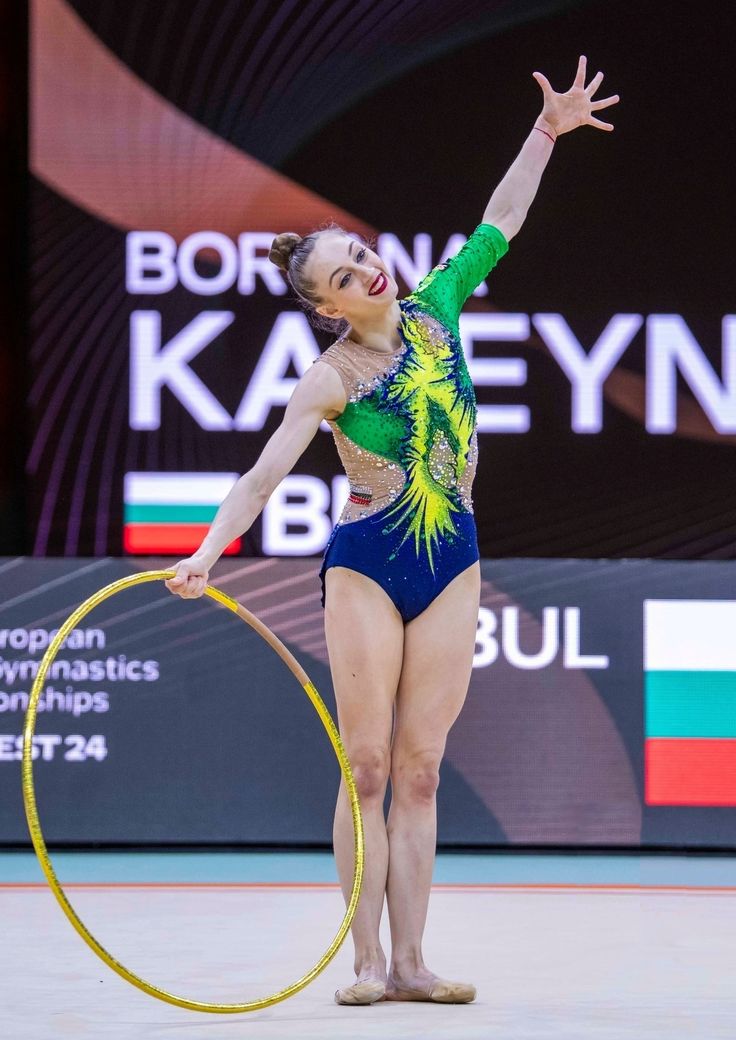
(367, 992)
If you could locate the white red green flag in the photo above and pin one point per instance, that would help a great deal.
(169, 513)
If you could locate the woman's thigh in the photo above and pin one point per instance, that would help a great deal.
(438, 658)
(365, 641)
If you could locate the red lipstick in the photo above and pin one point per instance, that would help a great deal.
(379, 284)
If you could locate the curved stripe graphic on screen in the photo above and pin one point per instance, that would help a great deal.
(50, 292)
(115, 132)
(49, 231)
(117, 428)
(290, 92)
(104, 401)
(308, 97)
(96, 282)
(75, 349)
(89, 383)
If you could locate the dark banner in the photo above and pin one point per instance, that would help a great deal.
(170, 141)
(601, 711)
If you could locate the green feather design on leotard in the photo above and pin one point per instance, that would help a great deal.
(433, 390)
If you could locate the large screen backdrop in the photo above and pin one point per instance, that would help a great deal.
(170, 141)
(600, 709)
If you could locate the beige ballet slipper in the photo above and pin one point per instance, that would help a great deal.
(367, 992)
(440, 991)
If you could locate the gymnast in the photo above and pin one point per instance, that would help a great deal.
(401, 574)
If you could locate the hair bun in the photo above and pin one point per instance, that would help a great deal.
(282, 247)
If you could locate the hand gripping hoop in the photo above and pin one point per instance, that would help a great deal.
(29, 798)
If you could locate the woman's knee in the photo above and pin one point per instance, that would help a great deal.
(416, 777)
(371, 767)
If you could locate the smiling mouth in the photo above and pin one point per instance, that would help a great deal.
(379, 284)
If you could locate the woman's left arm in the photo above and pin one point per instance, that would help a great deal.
(508, 206)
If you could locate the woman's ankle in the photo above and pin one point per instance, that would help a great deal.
(407, 966)
(370, 960)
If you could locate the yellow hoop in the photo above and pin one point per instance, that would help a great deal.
(29, 798)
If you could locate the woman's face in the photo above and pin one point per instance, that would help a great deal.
(351, 280)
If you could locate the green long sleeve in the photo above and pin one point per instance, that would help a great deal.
(445, 289)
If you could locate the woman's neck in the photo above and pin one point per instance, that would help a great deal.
(380, 335)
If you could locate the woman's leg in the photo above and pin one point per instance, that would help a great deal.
(438, 658)
(365, 636)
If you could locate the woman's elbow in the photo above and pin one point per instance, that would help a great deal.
(258, 484)
(508, 221)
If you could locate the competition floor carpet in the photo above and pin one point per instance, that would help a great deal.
(568, 947)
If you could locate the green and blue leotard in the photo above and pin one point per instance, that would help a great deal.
(407, 438)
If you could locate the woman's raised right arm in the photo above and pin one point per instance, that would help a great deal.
(318, 393)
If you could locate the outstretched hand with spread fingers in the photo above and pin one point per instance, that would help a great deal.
(565, 112)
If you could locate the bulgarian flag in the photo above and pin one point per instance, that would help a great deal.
(690, 702)
(169, 513)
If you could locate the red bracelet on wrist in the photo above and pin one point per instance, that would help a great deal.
(552, 139)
